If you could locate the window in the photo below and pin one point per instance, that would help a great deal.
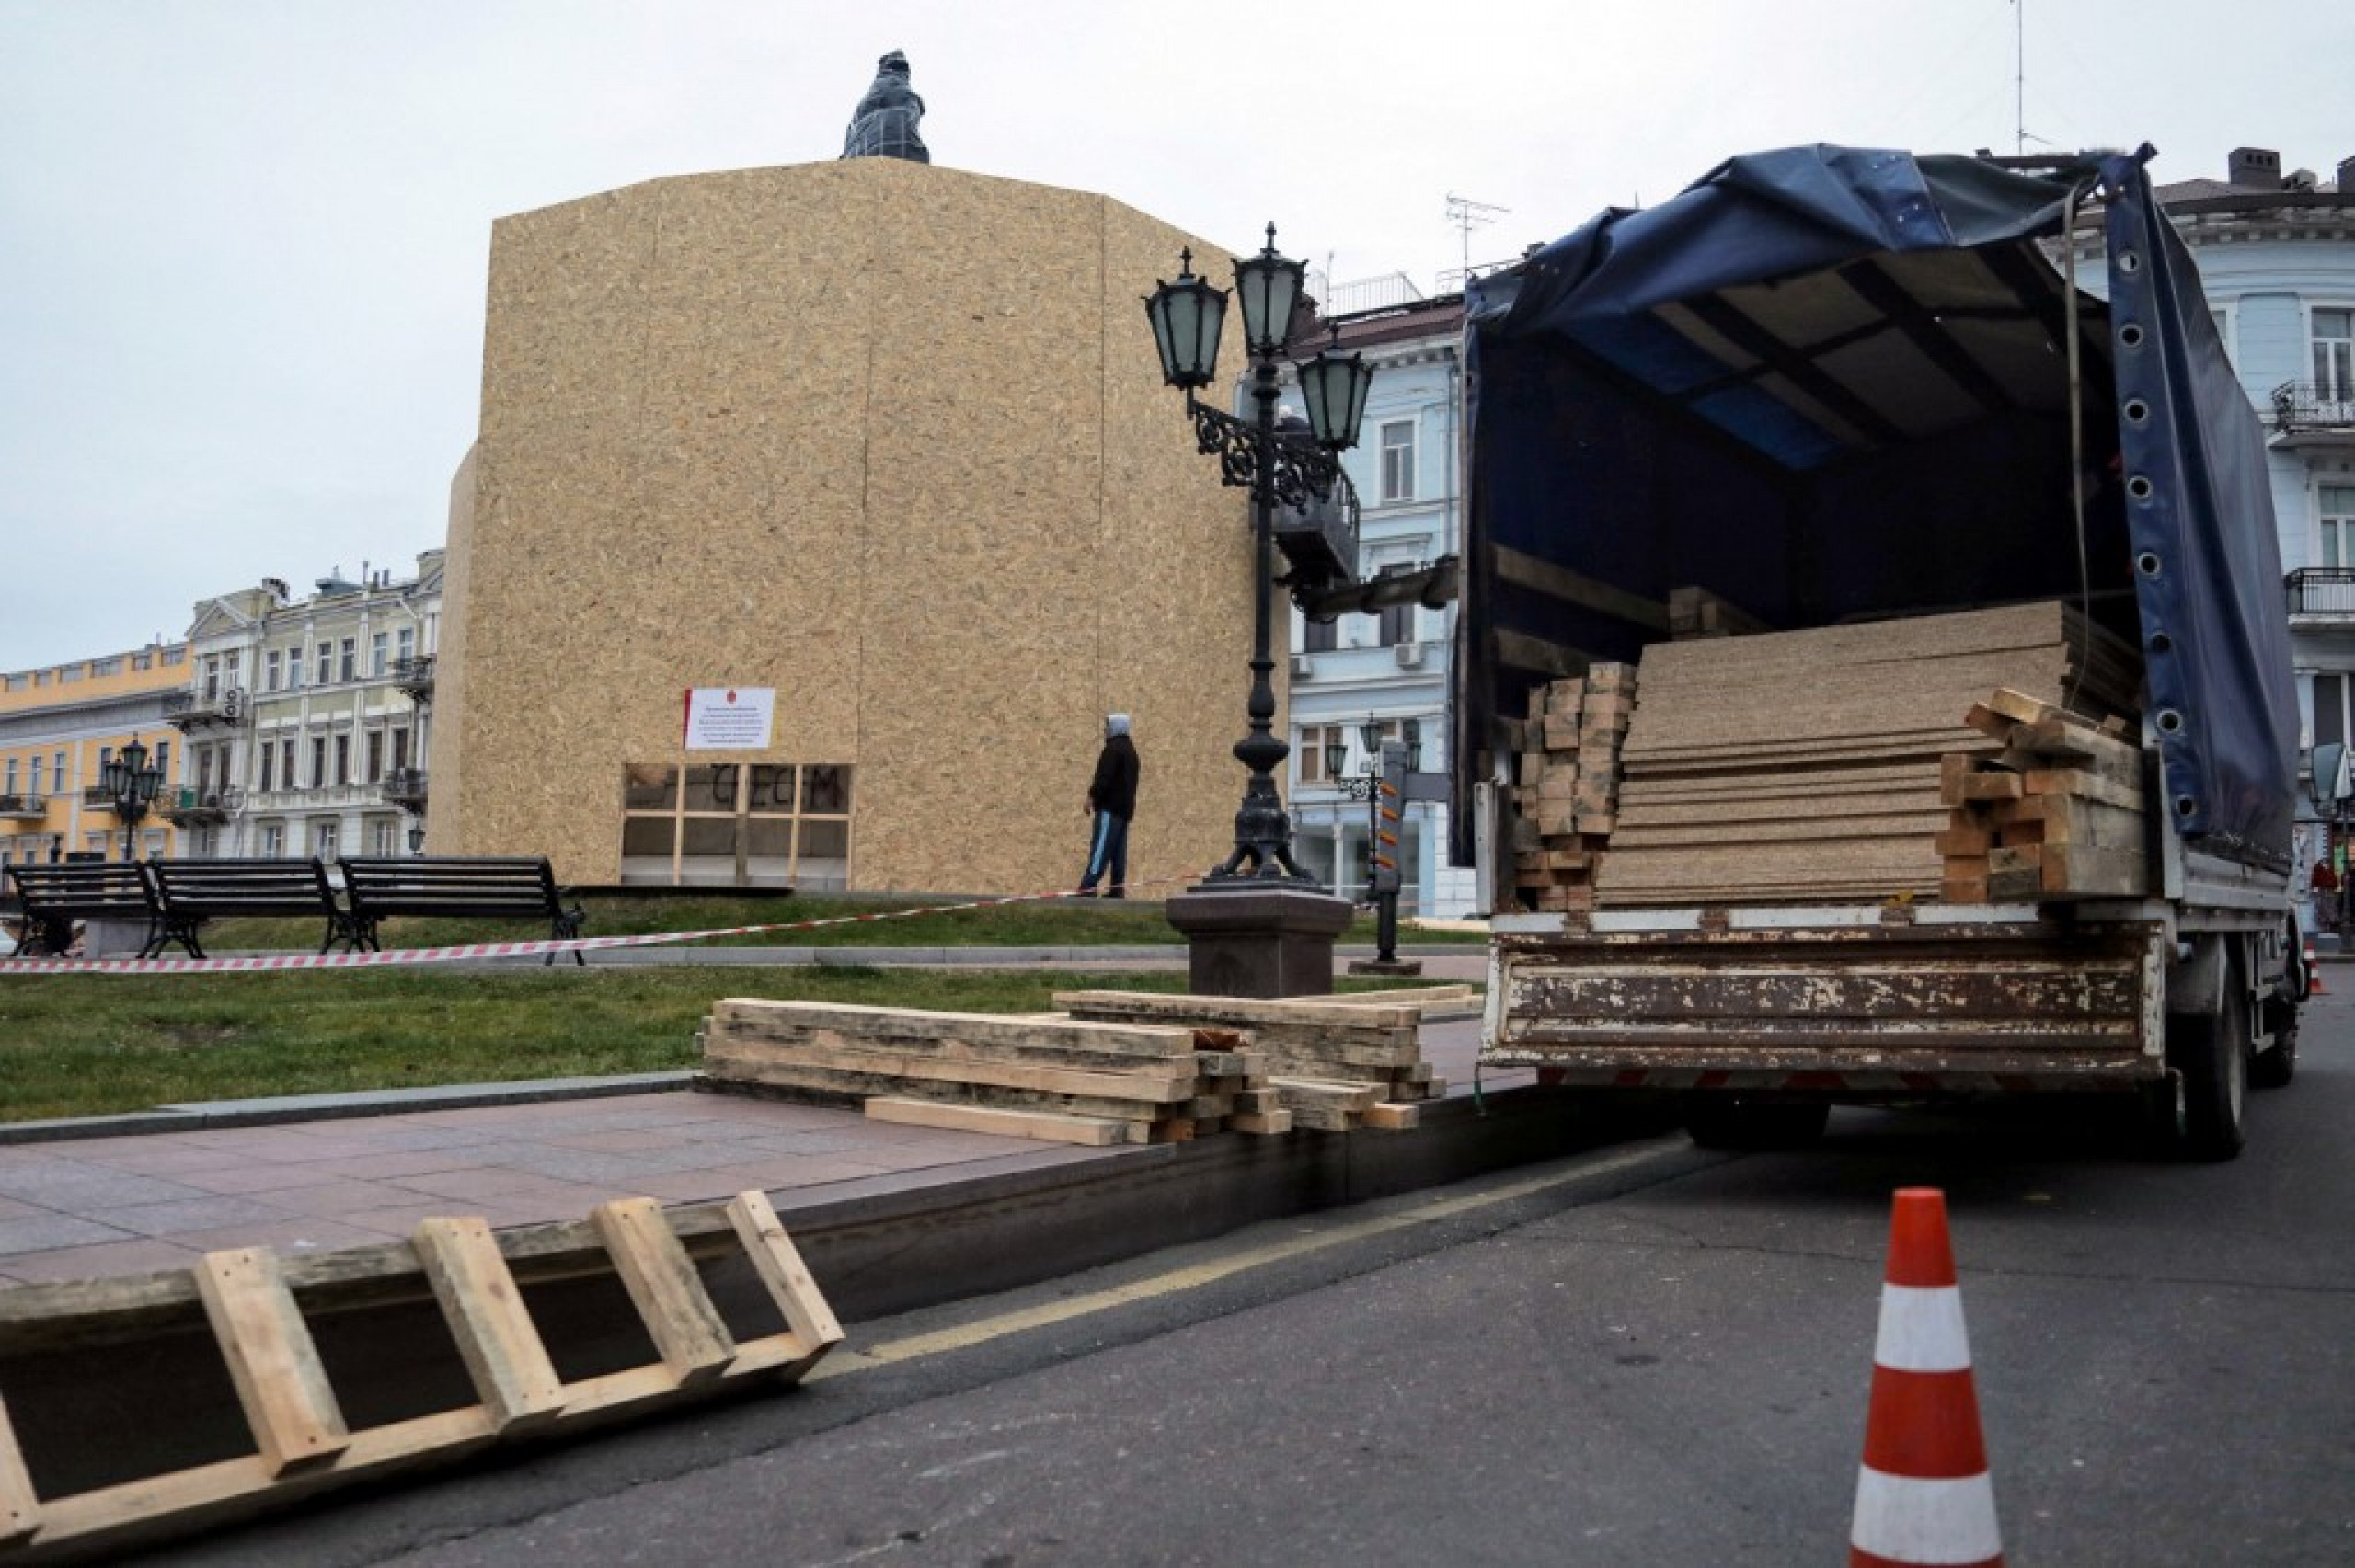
(737, 824)
(1398, 460)
(2333, 335)
(383, 837)
(349, 667)
(268, 752)
(36, 775)
(1396, 620)
(405, 646)
(2338, 542)
(324, 668)
(270, 672)
(273, 840)
(1310, 751)
(318, 761)
(343, 758)
(2331, 709)
(58, 764)
(1320, 636)
(375, 756)
(163, 761)
(212, 678)
(322, 839)
(286, 779)
(106, 666)
(379, 653)
(400, 747)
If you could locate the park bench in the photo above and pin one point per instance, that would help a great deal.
(53, 898)
(191, 892)
(509, 886)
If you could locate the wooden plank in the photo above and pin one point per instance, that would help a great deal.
(1245, 1013)
(680, 1318)
(778, 1263)
(1153, 1081)
(272, 1361)
(1390, 1117)
(1541, 576)
(1262, 1123)
(2084, 785)
(1047, 1126)
(838, 1086)
(2075, 871)
(919, 1028)
(20, 1504)
(488, 1319)
(1294, 1092)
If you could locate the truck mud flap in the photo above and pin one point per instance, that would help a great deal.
(1859, 1011)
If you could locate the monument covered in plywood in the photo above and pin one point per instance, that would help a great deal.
(885, 439)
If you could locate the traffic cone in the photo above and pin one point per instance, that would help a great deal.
(2313, 973)
(1922, 1493)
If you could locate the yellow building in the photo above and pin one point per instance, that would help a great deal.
(59, 724)
(886, 440)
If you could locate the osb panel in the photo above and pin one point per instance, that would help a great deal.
(885, 437)
(445, 763)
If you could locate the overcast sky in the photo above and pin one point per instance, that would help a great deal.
(243, 242)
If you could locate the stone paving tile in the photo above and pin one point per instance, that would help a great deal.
(155, 1154)
(46, 1232)
(584, 1165)
(12, 1209)
(614, 1140)
(295, 1237)
(507, 1188)
(81, 1189)
(204, 1214)
(263, 1178)
(407, 1162)
(106, 1259)
(692, 1186)
(331, 1199)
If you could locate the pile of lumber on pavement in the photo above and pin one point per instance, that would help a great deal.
(2056, 813)
(1063, 1079)
(1335, 1064)
(1796, 766)
(1567, 789)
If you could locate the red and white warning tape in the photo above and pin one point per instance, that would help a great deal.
(496, 949)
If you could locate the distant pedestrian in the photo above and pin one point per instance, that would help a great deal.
(1111, 801)
(2324, 885)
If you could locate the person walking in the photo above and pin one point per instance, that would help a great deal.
(1111, 801)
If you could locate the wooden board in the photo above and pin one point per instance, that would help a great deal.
(654, 1268)
(1048, 1127)
(273, 1362)
(494, 1332)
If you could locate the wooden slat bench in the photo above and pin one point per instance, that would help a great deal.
(54, 897)
(439, 886)
(191, 892)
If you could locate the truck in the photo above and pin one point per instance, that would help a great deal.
(1828, 387)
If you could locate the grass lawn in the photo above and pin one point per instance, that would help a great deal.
(89, 1045)
(1063, 922)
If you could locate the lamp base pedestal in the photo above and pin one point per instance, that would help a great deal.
(1385, 967)
(1255, 938)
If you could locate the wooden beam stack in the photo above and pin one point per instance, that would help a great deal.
(1063, 1079)
(2057, 812)
(1304, 1044)
(1697, 612)
(1806, 766)
(1567, 793)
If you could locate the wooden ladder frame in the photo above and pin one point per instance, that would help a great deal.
(302, 1444)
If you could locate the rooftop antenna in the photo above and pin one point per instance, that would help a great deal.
(1466, 216)
(2021, 135)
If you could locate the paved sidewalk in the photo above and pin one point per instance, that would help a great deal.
(137, 1203)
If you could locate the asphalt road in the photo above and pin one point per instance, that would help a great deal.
(1645, 1355)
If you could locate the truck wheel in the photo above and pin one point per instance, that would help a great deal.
(2212, 1055)
(1736, 1121)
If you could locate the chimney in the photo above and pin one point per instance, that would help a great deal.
(2257, 167)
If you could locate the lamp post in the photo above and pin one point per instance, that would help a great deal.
(1257, 924)
(1275, 467)
(130, 783)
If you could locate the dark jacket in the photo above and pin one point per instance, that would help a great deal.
(1114, 788)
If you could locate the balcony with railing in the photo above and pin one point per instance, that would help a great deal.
(200, 808)
(225, 708)
(2321, 596)
(415, 676)
(405, 787)
(23, 807)
(2314, 413)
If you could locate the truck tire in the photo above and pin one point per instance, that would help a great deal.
(2212, 1055)
(2275, 1067)
(1739, 1121)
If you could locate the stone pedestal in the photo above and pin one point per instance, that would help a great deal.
(113, 939)
(1403, 967)
(1256, 939)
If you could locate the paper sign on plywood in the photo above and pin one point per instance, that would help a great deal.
(729, 719)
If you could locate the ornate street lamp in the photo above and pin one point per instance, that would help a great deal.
(1277, 467)
(131, 786)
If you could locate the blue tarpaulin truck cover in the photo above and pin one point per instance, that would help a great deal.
(1832, 383)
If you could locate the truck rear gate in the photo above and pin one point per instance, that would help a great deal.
(1964, 1001)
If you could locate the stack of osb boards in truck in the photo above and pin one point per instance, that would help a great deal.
(1567, 789)
(2056, 813)
(1802, 766)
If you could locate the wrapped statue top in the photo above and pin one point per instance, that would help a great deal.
(884, 124)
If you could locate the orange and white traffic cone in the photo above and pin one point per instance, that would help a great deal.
(2313, 973)
(1923, 1494)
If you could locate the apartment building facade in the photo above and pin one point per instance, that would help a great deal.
(1385, 676)
(306, 723)
(59, 726)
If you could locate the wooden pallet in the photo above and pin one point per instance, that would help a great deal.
(301, 1443)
